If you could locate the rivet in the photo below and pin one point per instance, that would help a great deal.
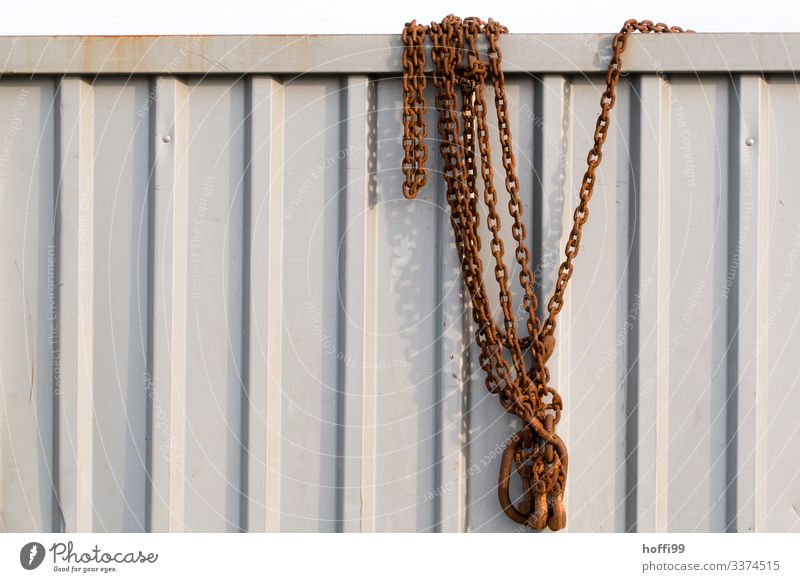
(749, 141)
(166, 138)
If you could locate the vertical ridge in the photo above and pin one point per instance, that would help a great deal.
(439, 332)
(553, 212)
(76, 299)
(438, 363)
(265, 307)
(151, 244)
(55, 346)
(451, 361)
(342, 194)
(169, 305)
(275, 306)
(179, 291)
(438, 355)
(732, 307)
(538, 220)
(661, 307)
(634, 289)
(244, 402)
(762, 242)
(468, 365)
(365, 407)
(652, 401)
(748, 308)
(355, 330)
(258, 191)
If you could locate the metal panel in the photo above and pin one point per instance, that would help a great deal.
(28, 304)
(380, 53)
(103, 241)
(220, 314)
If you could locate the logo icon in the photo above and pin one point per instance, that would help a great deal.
(31, 555)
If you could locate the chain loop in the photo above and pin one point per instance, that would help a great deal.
(536, 453)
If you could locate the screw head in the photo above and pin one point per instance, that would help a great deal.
(166, 138)
(749, 141)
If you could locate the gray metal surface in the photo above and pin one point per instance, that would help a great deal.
(380, 53)
(219, 313)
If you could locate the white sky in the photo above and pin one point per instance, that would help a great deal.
(361, 16)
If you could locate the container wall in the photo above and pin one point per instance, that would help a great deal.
(220, 314)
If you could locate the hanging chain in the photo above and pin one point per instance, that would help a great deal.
(536, 453)
(593, 159)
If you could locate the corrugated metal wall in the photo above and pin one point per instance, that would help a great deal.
(220, 314)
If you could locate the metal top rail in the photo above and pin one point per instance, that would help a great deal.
(380, 54)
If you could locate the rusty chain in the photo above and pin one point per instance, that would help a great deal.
(536, 453)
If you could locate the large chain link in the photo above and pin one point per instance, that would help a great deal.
(536, 453)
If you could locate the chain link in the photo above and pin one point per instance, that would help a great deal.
(536, 453)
